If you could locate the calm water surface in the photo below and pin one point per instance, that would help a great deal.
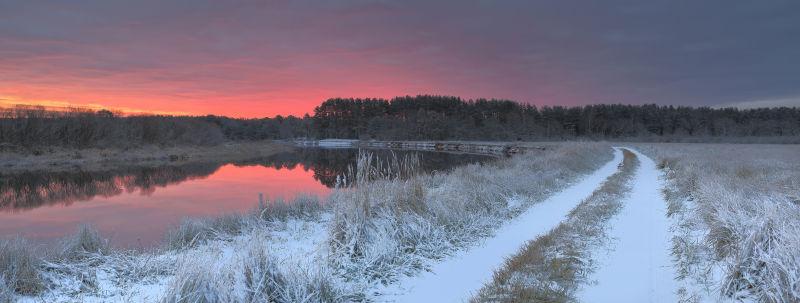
(134, 206)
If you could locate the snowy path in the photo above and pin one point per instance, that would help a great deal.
(639, 267)
(457, 278)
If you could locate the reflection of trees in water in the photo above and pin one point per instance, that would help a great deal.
(33, 189)
(327, 164)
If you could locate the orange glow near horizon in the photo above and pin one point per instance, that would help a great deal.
(287, 102)
(231, 107)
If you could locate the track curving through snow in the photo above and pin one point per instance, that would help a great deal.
(459, 277)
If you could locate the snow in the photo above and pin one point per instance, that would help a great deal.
(295, 243)
(638, 268)
(458, 278)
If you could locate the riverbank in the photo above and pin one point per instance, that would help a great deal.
(342, 249)
(95, 159)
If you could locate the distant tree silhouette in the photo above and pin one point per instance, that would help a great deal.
(443, 117)
(422, 117)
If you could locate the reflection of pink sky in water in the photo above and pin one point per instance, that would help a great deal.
(130, 216)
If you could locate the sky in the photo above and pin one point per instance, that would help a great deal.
(264, 58)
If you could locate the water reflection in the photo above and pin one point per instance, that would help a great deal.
(135, 205)
(34, 189)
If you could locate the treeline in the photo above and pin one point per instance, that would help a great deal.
(451, 118)
(35, 126)
(405, 118)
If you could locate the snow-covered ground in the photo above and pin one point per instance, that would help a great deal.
(638, 268)
(457, 278)
(292, 244)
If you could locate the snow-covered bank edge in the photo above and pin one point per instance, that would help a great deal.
(147, 277)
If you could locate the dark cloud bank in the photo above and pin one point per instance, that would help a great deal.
(546, 52)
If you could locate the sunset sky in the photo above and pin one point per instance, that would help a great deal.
(262, 58)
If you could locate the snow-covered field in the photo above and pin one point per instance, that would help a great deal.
(735, 212)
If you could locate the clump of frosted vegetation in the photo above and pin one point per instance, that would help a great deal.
(252, 276)
(85, 242)
(19, 269)
(265, 281)
(6, 293)
(386, 227)
(303, 206)
(737, 217)
(29, 270)
(192, 232)
(199, 280)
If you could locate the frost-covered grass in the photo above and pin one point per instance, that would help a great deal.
(736, 215)
(6, 293)
(384, 229)
(393, 222)
(198, 256)
(19, 268)
(553, 266)
(195, 231)
(87, 241)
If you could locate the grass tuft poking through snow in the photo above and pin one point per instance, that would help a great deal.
(195, 282)
(553, 266)
(86, 241)
(266, 281)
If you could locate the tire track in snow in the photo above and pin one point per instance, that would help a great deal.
(459, 277)
(638, 268)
